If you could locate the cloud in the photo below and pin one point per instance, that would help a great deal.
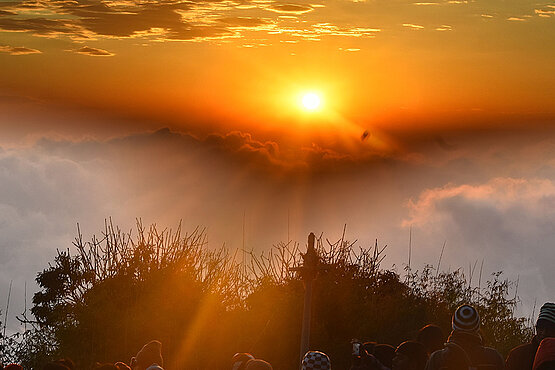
(449, 2)
(241, 148)
(196, 20)
(214, 180)
(85, 50)
(97, 19)
(413, 26)
(546, 12)
(54, 183)
(19, 50)
(506, 221)
(43, 26)
(244, 146)
(42, 198)
(500, 194)
(6, 12)
(444, 27)
(290, 8)
(315, 31)
(517, 19)
(249, 22)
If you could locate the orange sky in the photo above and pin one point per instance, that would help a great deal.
(175, 109)
(238, 64)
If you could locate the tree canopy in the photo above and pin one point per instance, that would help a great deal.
(104, 298)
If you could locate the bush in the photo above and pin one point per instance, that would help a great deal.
(113, 294)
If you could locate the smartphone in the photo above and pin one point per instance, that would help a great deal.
(356, 348)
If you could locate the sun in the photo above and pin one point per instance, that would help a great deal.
(311, 101)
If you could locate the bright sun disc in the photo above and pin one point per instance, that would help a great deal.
(311, 101)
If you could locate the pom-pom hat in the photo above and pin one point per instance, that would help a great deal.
(466, 319)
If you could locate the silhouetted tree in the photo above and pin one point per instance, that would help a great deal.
(118, 292)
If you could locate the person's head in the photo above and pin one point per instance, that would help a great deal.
(384, 353)
(315, 360)
(258, 364)
(150, 354)
(432, 338)
(122, 366)
(545, 355)
(239, 360)
(410, 355)
(545, 326)
(466, 320)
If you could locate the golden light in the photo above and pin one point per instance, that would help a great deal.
(311, 101)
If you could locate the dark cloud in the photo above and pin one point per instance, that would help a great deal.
(103, 20)
(194, 20)
(198, 33)
(6, 12)
(42, 26)
(85, 50)
(18, 50)
(9, 4)
(290, 8)
(242, 149)
(161, 20)
(244, 21)
(263, 154)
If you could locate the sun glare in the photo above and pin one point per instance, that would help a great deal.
(311, 101)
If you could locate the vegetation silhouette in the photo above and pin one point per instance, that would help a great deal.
(105, 298)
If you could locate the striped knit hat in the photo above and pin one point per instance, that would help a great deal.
(547, 312)
(466, 319)
(316, 360)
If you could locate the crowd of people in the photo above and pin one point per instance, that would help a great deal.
(462, 350)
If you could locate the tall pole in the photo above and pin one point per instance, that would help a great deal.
(307, 315)
(308, 273)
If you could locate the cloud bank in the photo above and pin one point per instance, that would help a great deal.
(464, 191)
(507, 222)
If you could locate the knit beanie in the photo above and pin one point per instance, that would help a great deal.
(547, 312)
(150, 354)
(258, 365)
(466, 319)
(545, 352)
(316, 360)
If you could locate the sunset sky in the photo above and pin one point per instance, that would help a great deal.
(436, 117)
